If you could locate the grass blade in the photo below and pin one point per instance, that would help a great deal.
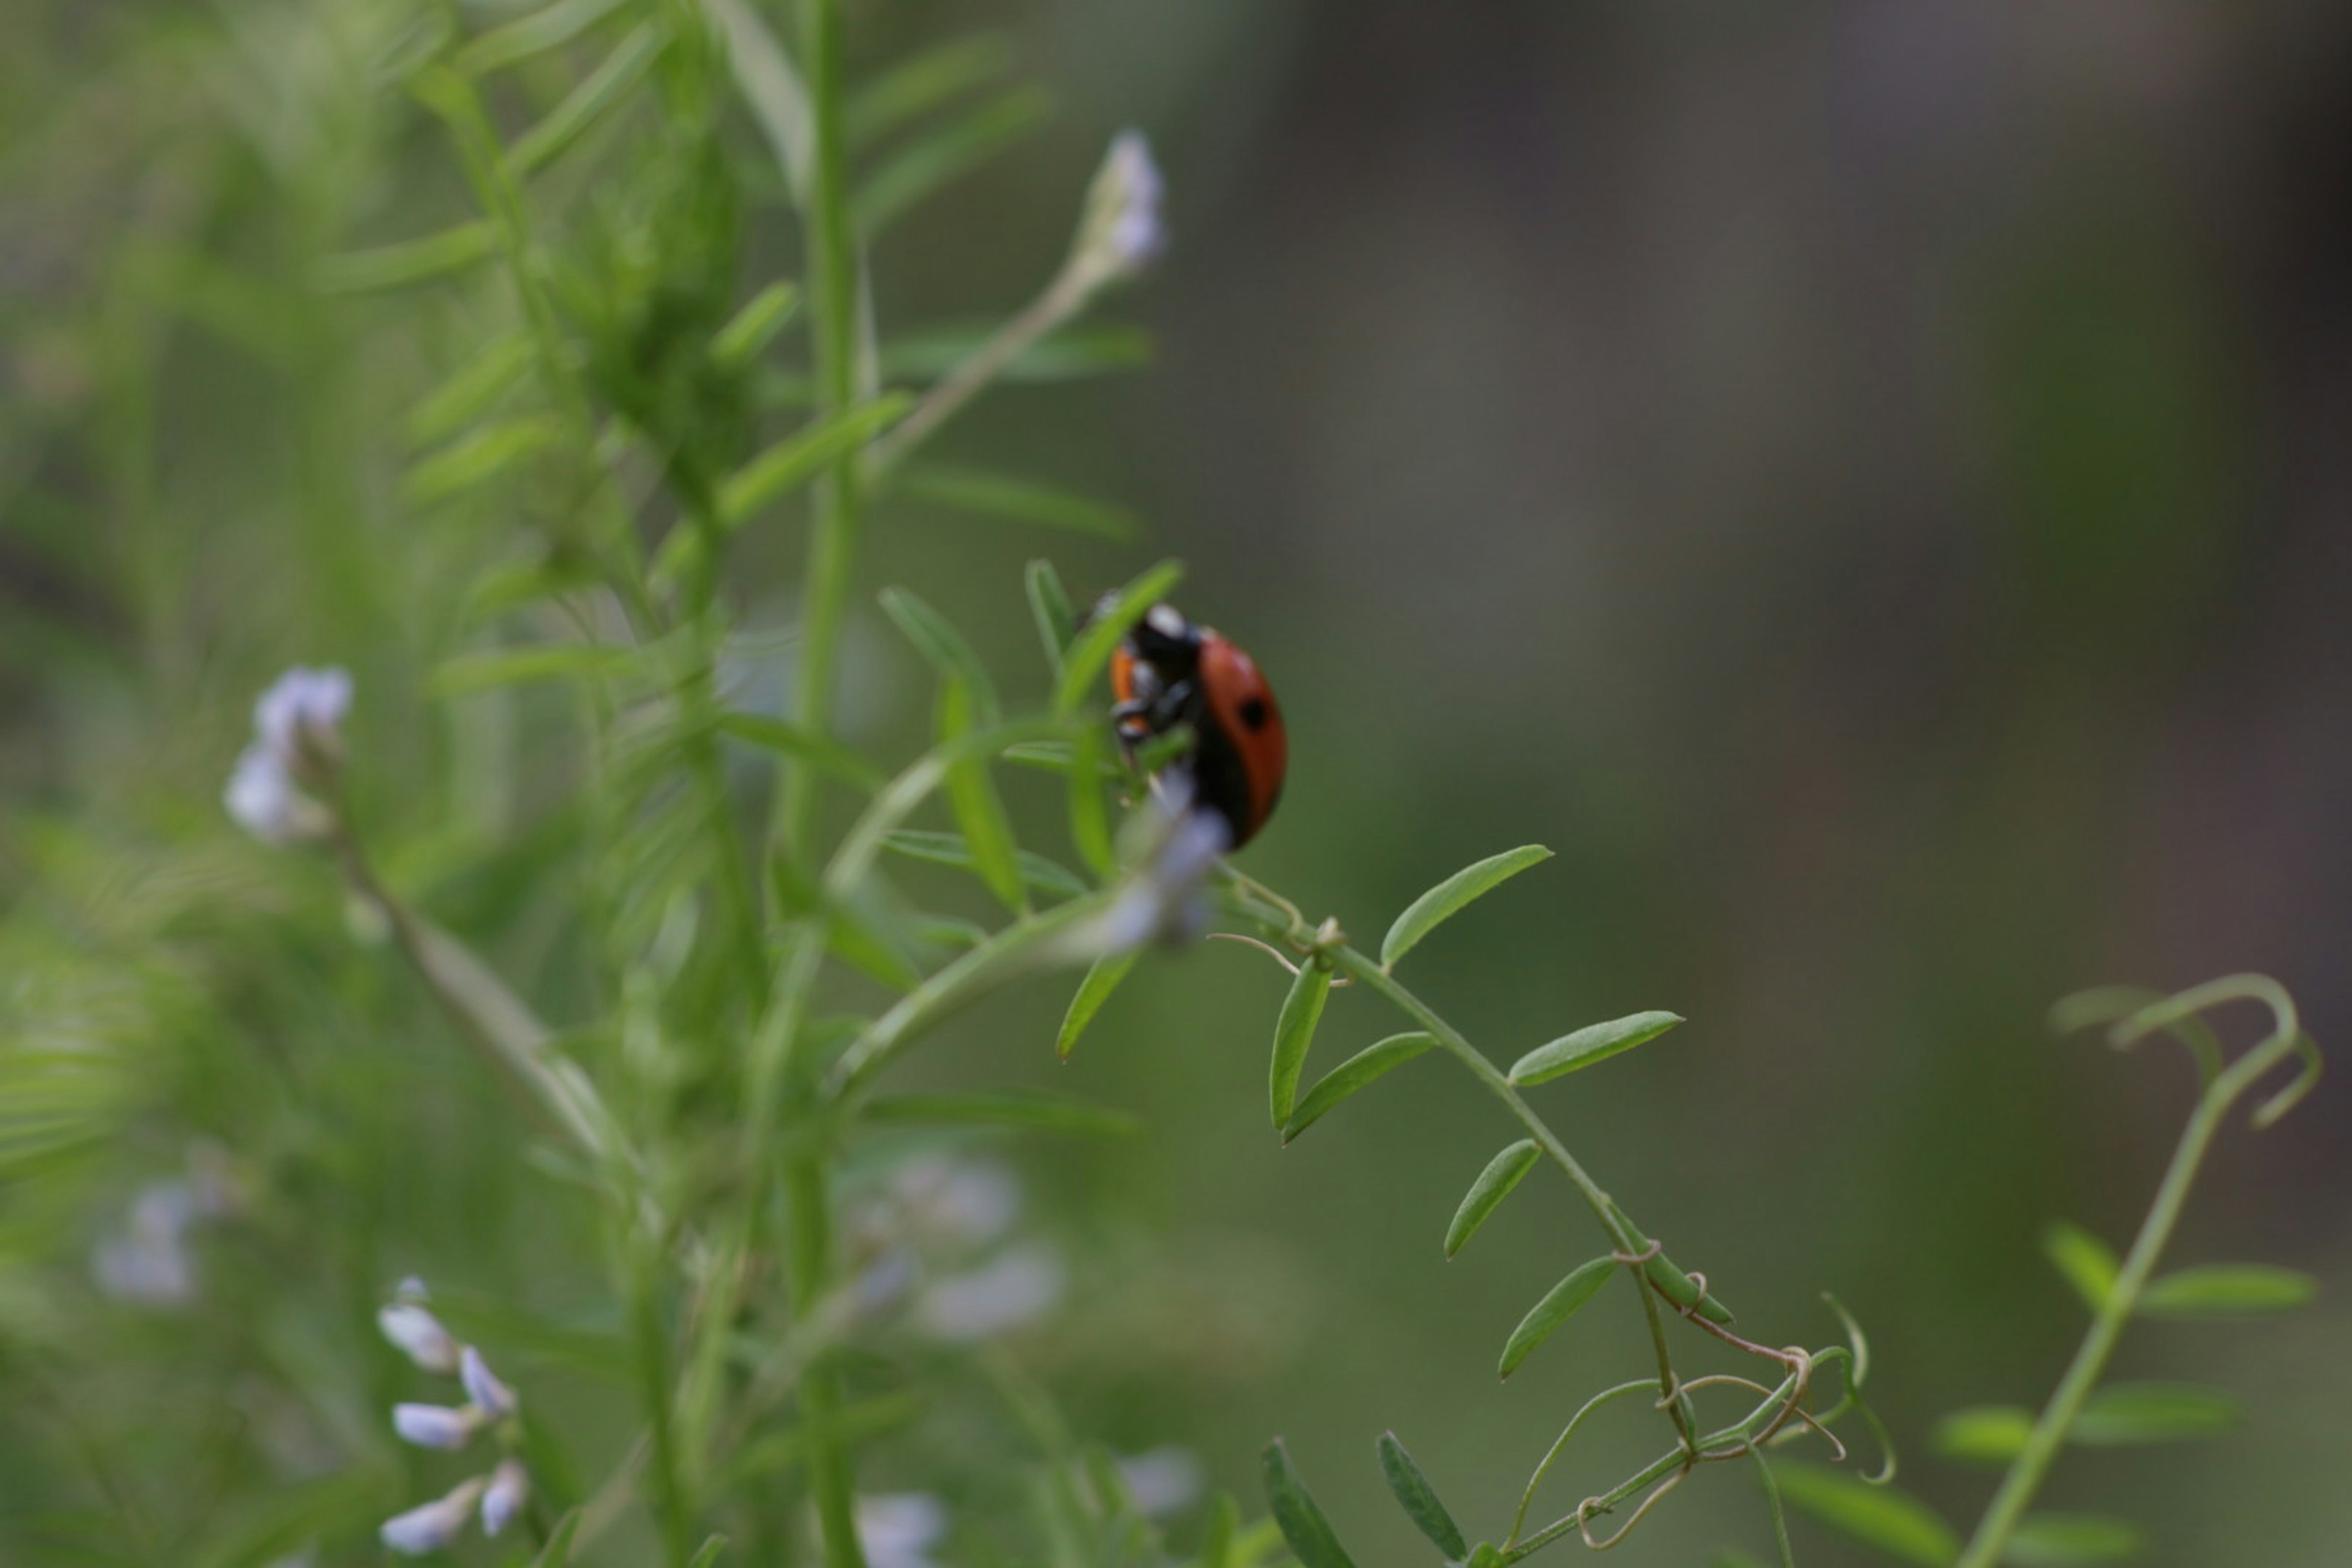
(1559, 1304)
(1486, 1193)
(1449, 897)
(1353, 1074)
(1419, 1499)
(1592, 1044)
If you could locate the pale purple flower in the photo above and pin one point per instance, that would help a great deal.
(495, 1398)
(1163, 1480)
(1015, 1288)
(955, 1204)
(1122, 231)
(437, 1425)
(434, 1525)
(1165, 899)
(411, 1326)
(148, 1261)
(898, 1529)
(297, 734)
(510, 1488)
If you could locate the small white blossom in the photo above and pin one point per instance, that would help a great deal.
(419, 1334)
(1165, 899)
(437, 1425)
(1016, 1288)
(495, 1398)
(509, 1488)
(436, 1524)
(898, 1529)
(1163, 1480)
(1122, 232)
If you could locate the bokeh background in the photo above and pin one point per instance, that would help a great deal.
(1866, 484)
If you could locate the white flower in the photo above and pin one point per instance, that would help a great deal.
(1013, 1288)
(897, 1529)
(436, 1524)
(298, 734)
(437, 1425)
(510, 1487)
(1163, 1480)
(1122, 232)
(482, 1386)
(418, 1333)
(1165, 898)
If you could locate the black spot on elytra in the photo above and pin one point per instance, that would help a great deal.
(1253, 712)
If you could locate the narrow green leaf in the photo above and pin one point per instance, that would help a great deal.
(1089, 813)
(2132, 1413)
(754, 327)
(1101, 980)
(954, 849)
(1894, 1521)
(801, 456)
(770, 87)
(1302, 1522)
(478, 457)
(907, 91)
(941, 644)
(1486, 1193)
(1449, 897)
(2082, 1260)
(411, 261)
(468, 393)
(1022, 501)
(1668, 1277)
(1352, 1075)
(558, 1551)
(1090, 651)
(598, 94)
(938, 158)
(2062, 1539)
(1593, 1043)
(1032, 1110)
(1217, 1542)
(2227, 1290)
(1049, 607)
(548, 28)
(787, 739)
(973, 799)
(471, 672)
(1067, 354)
(1984, 1434)
(1419, 1499)
(1294, 1032)
(1559, 1304)
(712, 1550)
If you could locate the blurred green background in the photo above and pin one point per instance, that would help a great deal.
(1866, 484)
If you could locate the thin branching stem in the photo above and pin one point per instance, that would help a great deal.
(2031, 1465)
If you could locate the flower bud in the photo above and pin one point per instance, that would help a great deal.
(495, 1398)
(434, 1525)
(510, 1488)
(437, 1425)
(1122, 232)
(418, 1335)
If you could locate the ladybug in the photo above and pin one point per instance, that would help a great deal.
(1168, 671)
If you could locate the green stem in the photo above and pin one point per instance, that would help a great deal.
(833, 328)
(2031, 1465)
(832, 1478)
(670, 1505)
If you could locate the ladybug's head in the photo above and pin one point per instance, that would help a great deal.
(1165, 638)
